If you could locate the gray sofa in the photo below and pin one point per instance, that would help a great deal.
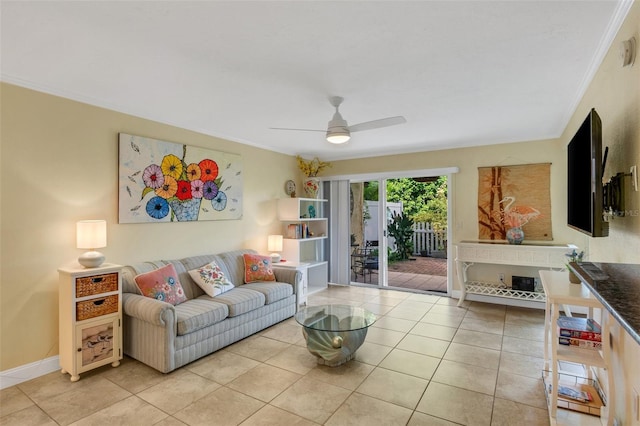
(167, 337)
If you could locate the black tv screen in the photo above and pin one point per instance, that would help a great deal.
(584, 179)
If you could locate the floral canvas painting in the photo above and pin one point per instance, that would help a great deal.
(514, 197)
(170, 182)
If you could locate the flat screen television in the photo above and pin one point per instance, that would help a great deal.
(585, 210)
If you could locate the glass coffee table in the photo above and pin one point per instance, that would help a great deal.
(334, 332)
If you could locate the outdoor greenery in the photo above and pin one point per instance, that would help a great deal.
(421, 201)
(400, 227)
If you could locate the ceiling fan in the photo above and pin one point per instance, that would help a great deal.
(338, 131)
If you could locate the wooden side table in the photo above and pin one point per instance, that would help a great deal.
(90, 318)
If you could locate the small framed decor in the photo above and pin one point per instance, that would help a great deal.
(170, 182)
(514, 203)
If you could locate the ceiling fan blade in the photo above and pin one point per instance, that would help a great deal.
(299, 130)
(376, 124)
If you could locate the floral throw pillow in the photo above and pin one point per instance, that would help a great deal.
(211, 279)
(162, 284)
(257, 268)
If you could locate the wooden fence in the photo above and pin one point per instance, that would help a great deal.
(426, 239)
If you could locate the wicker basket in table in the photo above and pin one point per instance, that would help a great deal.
(96, 284)
(96, 307)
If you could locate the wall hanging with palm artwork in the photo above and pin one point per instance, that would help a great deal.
(514, 203)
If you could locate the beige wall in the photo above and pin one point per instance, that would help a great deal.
(59, 164)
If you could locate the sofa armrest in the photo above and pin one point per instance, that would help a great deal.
(150, 310)
(289, 276)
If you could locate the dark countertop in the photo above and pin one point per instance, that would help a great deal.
(617, 287)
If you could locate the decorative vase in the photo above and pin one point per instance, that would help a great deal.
(311, 186)
(187, 210)
(515, 235)
(573, 278)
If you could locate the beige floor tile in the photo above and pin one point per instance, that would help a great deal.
(424, 345)
(179, 390)
(507, 413)
(170, 421)
(264, 382)
(573, 418)
(411, 314)
(410, 363)
(13, 399)
(222, 407)
(453, 302)
(487, 307)
(457, 405)
(270, 415)
(446, 309)
(471, 377)
(396, 388)
(484, 326)
(486, 315)
(349, 375)
(284, 332)
(52, 385)
(383, 336)
(434, 331)
(395, 324)
(424, 298)
(372, 353)
(474, 355)
(258, 347)
(421, 419)
(523, 346)
(478, 338)
(377, 309)
(312, 399)
(129, 411)
(296, 359)
(524, 331)
(222, 366)
(442, 319)
(77, 402)
(524, 365)
(525, 390)
(417, 305)
(359, 410)
(385, 300)
(134, 376)
(30, 416)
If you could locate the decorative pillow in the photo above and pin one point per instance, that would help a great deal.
(257, 268)
(211, 279)
(162, 284)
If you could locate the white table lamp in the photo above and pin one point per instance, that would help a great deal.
(274, 245)
(91, 234)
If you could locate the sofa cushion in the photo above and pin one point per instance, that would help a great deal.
(202, 312)
(162, 284)
(241, 300)
(257, 268)
(211, 279)
(272, 291)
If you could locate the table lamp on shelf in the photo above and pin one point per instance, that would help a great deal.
(91, 234)
(274, 245)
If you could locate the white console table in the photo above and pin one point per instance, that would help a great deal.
(469, 253)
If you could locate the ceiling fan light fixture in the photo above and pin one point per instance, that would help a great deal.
(338, 137)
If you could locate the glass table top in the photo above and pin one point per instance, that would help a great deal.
(335, 318)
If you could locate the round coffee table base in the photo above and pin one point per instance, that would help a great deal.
(333, 348)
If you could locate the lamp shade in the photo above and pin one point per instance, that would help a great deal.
(91, 234)
(274, 243)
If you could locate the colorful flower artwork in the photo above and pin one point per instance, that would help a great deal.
(169, 182)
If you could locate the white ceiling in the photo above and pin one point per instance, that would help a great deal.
(463, 73)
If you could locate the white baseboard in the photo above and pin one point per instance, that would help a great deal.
(26, 372)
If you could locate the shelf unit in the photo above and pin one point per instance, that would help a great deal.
(560, 291)
(469, 253)
(305, 233)
(90, 318)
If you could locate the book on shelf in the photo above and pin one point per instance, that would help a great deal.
(569, 392)
(580, 343)
(297, 231)
(579, 328)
